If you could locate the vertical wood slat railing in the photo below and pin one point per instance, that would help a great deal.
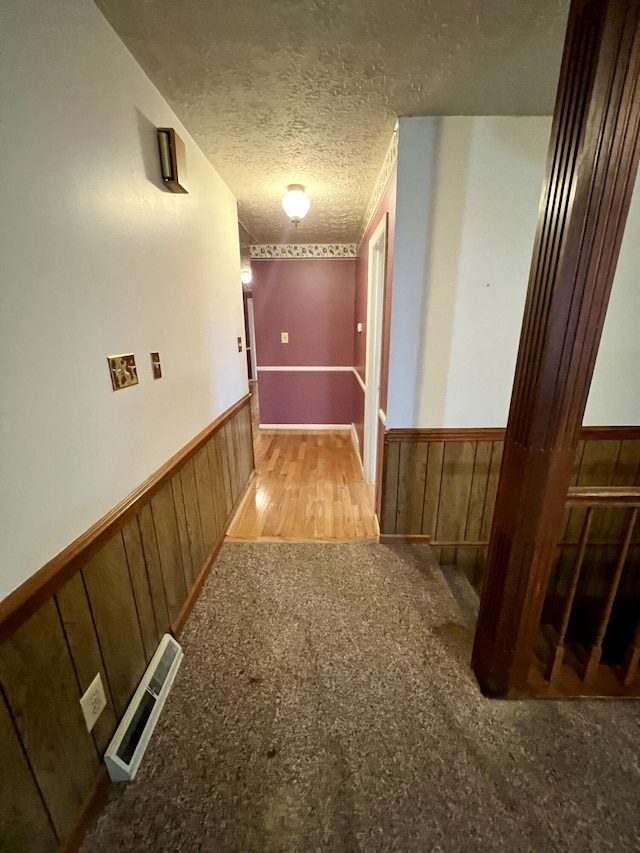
(591, 499)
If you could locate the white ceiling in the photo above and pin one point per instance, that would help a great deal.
(307, 91)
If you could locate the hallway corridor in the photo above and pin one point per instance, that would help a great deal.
(308, 486)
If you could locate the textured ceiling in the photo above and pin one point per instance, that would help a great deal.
(307, 91)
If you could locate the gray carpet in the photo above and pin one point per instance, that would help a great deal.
(325, 703)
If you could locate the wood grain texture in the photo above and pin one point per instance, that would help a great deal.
(108, 585)
(189, 570)
(192, 513)
(455, 490)
(93, 804)
(467, 558)
(24, 820)
(390, 474)
(82, 640)
(217, 490)
(39, 683)
(607, 461)
(412, 472)
(205, 499)
(222, 464)
(308, 486)
(106, 617)
(169, 548)
(141, 587)
(154, 570)
(25, 600)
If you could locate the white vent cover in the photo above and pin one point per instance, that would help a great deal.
(124, 753)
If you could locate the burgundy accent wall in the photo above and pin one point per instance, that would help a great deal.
(306, 398)
(313, 300)
(386, 207)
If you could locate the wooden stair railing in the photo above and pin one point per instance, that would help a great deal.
(559, 671)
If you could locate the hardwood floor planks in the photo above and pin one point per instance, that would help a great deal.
(308, 486)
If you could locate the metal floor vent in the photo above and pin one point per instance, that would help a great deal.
(124, 753)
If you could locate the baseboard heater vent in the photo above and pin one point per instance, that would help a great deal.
(124, 753)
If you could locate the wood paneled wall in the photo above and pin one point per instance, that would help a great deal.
(442, 484)
(105, 615)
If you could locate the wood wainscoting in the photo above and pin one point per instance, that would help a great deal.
(442, 483)
(101, 606)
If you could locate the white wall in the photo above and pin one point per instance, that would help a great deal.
(98, 259)
(418, 140)
(614, 396)
(467, 277)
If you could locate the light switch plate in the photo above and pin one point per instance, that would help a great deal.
(93, 702)
(359, 327)
(284, 337)
(123, 370)
(156, 367)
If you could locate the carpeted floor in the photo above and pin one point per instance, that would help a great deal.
(325, 703)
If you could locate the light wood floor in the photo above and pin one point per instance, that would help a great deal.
(308, 486)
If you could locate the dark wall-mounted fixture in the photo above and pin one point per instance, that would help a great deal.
(172, 160)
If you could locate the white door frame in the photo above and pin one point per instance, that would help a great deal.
(375, 302)
(252, 339)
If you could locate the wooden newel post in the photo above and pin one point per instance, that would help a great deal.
(591, 171)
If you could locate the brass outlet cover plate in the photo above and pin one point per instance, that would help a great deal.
(123, 371)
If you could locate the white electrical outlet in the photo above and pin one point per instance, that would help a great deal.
(284, 337)
(93, 702)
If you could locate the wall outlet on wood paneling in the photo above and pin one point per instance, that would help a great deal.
(284, 337)
(93, 702)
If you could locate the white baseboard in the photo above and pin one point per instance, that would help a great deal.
(356, 446)
(308, 427)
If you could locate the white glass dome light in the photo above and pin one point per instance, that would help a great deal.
(296, 203)
(246, 276)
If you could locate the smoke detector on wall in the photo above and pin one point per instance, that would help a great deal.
(296, 203)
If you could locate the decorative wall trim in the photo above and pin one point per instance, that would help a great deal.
(359, 380)
(101, 606)
(305, 368)
(402, 539)
(307, 427)
(442, 483)
(296, 251)
(382, 180)
(326, 368)
(30, 595)
(593, 433)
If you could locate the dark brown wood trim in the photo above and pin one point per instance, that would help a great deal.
(591, 171)
(449, 434)
(17, 607)
(187, 607)
(603, 496)
(401, 538)
(93, 805)
(484, 543)
(612, 433)
(588, 433)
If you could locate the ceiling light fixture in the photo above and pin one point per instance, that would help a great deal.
(296, 203)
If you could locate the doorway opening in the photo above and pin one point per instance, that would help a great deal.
(375, 305)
